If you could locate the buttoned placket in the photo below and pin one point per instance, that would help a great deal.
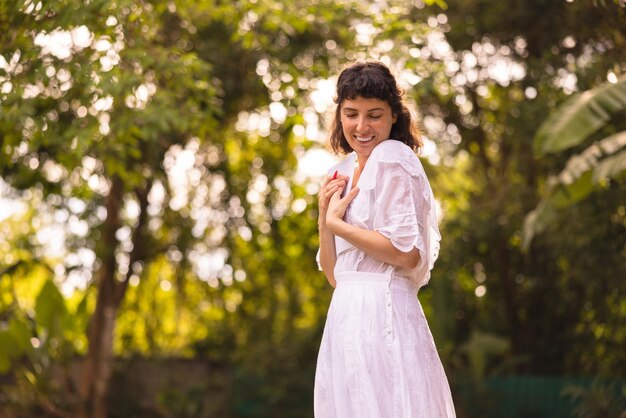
(388, 311)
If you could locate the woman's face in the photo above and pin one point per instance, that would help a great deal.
(366, 123)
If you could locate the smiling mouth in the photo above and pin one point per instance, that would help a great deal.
(363, 138)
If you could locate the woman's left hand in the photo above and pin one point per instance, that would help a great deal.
(337, 207)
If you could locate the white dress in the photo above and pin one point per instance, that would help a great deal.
(377, 357)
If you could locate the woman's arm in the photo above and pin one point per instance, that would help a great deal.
(372, 243)
(328, 255)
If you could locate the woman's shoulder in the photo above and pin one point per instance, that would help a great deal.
(397, 155)
(390, 158)
(393, 146)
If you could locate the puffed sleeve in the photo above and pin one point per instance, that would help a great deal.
(397, 208)
(404, 206)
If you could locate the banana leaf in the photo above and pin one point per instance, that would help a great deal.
(583, 114)
(581, 175)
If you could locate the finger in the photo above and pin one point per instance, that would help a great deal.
(336, 195)
(326, 194)
(328, 179)
(335, 175)
(337, 181)
(332, 187)
(336, 185)
(351, 195)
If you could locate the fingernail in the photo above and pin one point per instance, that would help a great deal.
(335, 175)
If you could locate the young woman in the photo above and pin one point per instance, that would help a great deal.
(378, 242)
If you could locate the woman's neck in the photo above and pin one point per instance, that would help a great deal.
(360, 161)
(359, 165)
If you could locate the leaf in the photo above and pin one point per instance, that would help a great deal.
(557, 197)
(6, 351)
(480, 346)
(21, 334)
(50, 307)
(580, 116)
(440, 3)
(610, 167)
(576, 181)
(14, 341)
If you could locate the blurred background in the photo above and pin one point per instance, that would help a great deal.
(159, 164)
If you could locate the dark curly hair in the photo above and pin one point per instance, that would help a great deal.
(373, 80)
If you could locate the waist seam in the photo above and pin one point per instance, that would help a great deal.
(396, 283)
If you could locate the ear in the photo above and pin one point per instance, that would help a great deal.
(395, 118)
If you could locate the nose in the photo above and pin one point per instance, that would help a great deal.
(361, 125)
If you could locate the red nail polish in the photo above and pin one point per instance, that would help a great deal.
(335, 175)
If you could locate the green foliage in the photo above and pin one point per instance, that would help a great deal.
(572, 124)
(215, 241)
(479, 348)
(580, 116)
(552, 303)
(15, 340)
(50, 308)
(93, 128)
(38, 351)
(601, 399)
(182, 405)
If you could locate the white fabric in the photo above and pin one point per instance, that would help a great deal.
(377, 357)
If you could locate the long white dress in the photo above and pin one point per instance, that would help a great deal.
(377, 357)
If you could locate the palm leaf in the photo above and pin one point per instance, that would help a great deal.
(557, 197)
(610, 167)
(582, 173)
(580, 116)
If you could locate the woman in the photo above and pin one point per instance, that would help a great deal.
(378, 242)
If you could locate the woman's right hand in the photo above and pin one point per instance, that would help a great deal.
(329, 187)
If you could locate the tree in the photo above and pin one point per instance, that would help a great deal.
(95, 100)
(169, 134)
(507, 65)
